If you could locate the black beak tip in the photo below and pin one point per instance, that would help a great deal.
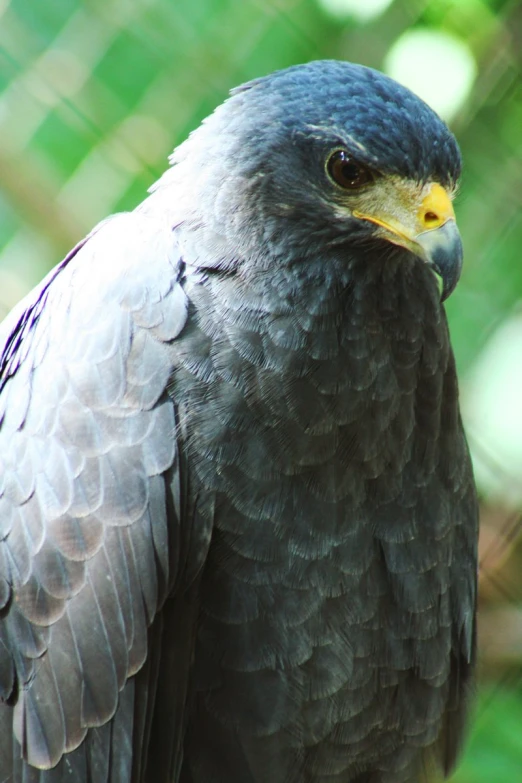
(448, 263)
(443, 248)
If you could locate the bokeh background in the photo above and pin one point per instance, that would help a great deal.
(93, 97)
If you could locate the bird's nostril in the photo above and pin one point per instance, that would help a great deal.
(431, 218)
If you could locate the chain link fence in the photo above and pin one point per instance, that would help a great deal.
(93, 97)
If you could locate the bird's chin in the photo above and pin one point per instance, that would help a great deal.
(440, 248)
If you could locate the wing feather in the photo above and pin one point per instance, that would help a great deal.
(90, 510)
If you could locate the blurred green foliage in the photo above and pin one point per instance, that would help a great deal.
(95, 94)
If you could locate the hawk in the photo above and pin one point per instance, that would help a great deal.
(238, 521)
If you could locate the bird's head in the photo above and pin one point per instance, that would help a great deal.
(324, 155)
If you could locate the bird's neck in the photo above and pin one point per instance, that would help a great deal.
(321, 372)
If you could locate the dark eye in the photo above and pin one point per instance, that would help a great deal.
(344, 170)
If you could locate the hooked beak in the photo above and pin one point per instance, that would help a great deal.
(443, 250)
(431, 234)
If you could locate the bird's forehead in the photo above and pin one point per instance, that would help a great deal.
(389, 125)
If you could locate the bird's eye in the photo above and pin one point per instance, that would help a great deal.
(347, 172)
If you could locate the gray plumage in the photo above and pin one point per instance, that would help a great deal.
(237, 514)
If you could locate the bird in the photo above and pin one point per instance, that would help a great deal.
(238, 519)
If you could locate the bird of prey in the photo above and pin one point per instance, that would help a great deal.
(238, 522)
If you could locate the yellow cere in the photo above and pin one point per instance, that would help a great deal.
(436, 208)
